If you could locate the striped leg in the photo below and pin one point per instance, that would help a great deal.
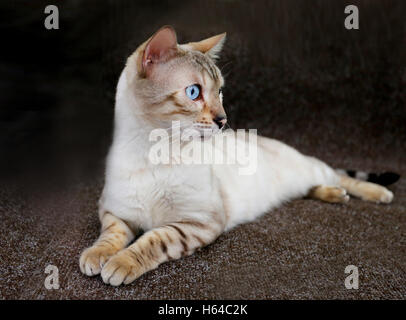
(156, 246)
(115, 235)
(366, 190)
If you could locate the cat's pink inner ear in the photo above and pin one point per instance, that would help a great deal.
(160, 48)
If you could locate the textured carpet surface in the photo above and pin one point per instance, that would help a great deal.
(292, 71)
(297, 251)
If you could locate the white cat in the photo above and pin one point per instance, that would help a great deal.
(184, 207)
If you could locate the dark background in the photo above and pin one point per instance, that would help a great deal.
(292, 71)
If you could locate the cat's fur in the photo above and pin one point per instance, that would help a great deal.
(184, 207)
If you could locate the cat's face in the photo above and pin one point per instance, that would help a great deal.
(180, 82)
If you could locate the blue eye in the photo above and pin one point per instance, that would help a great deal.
(193, 91)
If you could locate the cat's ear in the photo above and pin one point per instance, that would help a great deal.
(210, 46)
(159, 48)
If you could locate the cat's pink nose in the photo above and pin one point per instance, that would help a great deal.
(220, 121)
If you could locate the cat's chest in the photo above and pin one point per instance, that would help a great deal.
(148, 195)
(170, 185)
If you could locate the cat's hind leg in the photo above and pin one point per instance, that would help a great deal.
(115, 235)
(330, 194)
(366, 190)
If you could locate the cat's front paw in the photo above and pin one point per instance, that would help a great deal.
(92, 259)
(121, 269)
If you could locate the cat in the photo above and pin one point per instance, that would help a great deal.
(184, 207)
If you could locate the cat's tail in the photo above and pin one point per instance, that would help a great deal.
(384, 179)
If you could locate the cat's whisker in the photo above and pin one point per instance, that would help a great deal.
(225, 65)
(176, 125)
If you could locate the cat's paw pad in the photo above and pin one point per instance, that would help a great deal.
(120, 269)
(92, 259)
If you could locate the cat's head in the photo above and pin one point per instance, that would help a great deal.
(173, 82)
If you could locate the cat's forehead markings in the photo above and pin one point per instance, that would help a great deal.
(204, 63)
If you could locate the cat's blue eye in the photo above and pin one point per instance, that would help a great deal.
(193, 91)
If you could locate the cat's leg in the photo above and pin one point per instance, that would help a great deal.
(115, 235)
(330, 194)
(366, 190)
(159, 245)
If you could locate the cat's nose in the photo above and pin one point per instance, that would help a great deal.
(220, 121)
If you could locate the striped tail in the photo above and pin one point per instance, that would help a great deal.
(384, 179)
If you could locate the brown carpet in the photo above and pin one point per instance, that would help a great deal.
(298, 251)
